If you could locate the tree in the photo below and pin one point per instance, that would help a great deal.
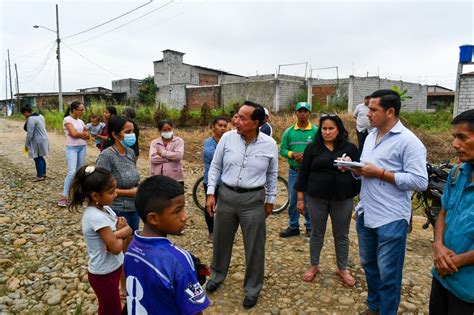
(147, 90)
(403, 93)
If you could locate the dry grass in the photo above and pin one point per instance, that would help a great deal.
(437, 144)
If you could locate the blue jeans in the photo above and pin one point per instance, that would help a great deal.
(75, 158)
(292, 194)
(132, 217)
(40, 164)
(382, 253)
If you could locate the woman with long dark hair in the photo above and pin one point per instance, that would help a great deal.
(329, 191)
(76, 144)
(120, 160)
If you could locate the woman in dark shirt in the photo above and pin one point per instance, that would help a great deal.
(329, 192)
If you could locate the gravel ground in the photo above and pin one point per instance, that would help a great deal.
(43, 263)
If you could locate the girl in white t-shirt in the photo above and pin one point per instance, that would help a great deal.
(76, 136)
(103, 233)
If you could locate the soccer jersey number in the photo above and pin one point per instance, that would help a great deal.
(134, 296)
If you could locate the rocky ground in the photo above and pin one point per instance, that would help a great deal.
(43, 263)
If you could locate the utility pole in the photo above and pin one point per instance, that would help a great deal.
(58, 57)
(17, 90)
(58, 40)
(6, 88)
(10, 75)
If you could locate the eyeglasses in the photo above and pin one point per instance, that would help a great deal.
(328, 115)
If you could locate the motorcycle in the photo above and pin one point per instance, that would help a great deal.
(430, 199)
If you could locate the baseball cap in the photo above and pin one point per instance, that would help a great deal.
(303, 105)
(267, 113)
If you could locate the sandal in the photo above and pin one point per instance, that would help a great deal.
(346, 278)
(310, 274)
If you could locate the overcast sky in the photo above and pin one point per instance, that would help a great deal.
(416, 41)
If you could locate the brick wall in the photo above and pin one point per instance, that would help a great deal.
(321, 93)
(197, 96)
(51, 102)
(207, 79)
(466, 94)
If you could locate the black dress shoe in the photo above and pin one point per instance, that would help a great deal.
(289, 232)
(211, 286)
(250, 301)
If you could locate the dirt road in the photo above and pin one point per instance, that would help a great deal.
(43, 263)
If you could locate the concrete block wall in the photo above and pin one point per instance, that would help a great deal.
(466, 93)
(288, 91)
(359, 87)
(127, 86)
(261, 92)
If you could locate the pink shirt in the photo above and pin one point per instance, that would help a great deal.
(79, 125)
(169, 160)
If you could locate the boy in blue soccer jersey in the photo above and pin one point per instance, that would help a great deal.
(161, 277)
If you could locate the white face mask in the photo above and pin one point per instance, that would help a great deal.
(167, 134)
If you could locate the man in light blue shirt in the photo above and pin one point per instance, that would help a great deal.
(395, 165)
(246, 160)
(452, 290)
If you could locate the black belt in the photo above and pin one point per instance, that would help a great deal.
(294, 168)
(243, 190)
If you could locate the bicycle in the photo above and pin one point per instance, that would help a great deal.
(281, 203)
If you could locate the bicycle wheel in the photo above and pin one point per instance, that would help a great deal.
(282, 196)
(199, 195)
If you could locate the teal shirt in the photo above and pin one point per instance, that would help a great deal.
(295, 139)
(458, 202)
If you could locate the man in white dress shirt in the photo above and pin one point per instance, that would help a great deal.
(246, 160)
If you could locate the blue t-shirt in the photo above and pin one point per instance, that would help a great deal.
(161, 278)
(208, 149)
(458, 202)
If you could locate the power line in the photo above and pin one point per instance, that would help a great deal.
(87, 59)
(106, 22)
(125, 24)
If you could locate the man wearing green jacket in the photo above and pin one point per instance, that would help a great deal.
(293, 143)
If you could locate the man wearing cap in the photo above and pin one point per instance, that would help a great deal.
(266, 128)
(293, 143)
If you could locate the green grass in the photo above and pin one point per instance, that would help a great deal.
(436, 122)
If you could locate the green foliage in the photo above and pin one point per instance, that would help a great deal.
(184, 116)
(147, 90)
(403, 93)
(206, 114)
(432, 122)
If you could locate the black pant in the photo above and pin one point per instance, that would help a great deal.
(443, 302)
(361, 139)
(209, 219)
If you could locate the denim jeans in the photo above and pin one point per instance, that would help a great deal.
(294, 214)
(40, 164)
(132, 217)
(75, 158)
(382, 253)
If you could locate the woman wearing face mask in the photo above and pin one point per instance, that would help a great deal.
(120, 160)
(166, 153)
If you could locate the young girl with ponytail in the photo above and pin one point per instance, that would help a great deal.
(103, 233)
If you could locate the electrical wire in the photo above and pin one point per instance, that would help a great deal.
(125, 24)
(87, 59)
(40, 69)
(107, 22)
